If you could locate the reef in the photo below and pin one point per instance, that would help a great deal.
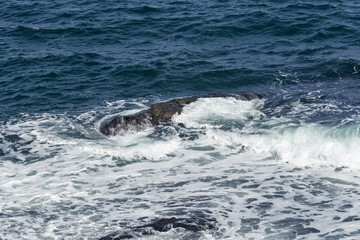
(160, 113)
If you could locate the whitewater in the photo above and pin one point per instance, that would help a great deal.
(258, 172)
(283, 166)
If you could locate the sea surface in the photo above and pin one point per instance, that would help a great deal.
(286, 166)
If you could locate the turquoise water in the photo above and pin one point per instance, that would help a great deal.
(283, 167)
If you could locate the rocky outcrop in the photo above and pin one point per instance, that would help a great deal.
(164, 225)
(160, 113)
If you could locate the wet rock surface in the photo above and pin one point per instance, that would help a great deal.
(160, 113)
(164, 225)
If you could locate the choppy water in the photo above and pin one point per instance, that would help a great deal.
(282, 167)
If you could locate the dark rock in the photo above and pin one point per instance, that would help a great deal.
(122, 124)
(160, 113)
(117, 237)
(164, 225)
(191, 224)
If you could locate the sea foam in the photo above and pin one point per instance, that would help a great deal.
(221, 156)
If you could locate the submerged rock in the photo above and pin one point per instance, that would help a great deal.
(164, 225)
(191, 224)
(160, 113)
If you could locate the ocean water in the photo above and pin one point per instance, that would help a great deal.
(285, 166)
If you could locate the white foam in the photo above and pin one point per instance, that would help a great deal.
(136, 145)
(309, 145)
(304, 144)
(118, 103)
(207, 112)
(86, 184)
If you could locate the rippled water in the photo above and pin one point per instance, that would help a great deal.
(282, 167)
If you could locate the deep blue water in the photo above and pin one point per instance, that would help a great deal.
(65, 56)
(67, 65)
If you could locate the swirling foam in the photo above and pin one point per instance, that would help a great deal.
(222, 156)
